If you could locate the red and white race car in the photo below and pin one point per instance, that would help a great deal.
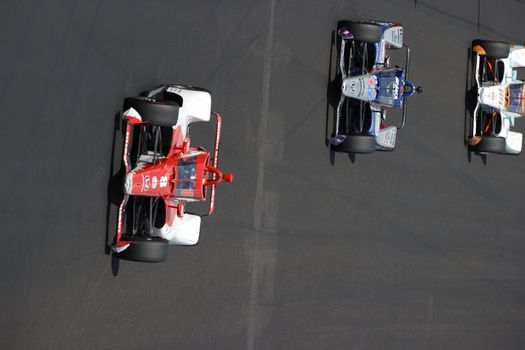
(163, 172)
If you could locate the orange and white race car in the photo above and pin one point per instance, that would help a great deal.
(500, 97)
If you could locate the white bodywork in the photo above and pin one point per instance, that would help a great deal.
(196, 107)
(494, 96)
(513, 140)
(362, 87)
(386, 137)
(196, 104)
(183, 231)
(393, 37)
(516, 59)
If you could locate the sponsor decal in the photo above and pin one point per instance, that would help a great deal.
(146, 182)
(163, 181)
(154, 182)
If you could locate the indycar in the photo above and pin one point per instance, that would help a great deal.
(164, 172)
(500, 97)
(369, 86)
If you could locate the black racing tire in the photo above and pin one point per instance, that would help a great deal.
(357, 144)
(491, 49)
(154, 111)
(490, 144)
(144, 249)
(362, 31)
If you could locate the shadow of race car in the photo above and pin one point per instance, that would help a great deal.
(500, 97)
(369, 86)
(164, 172)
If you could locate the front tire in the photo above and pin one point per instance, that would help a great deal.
(491, 49)
(362, 31)
(144, 249)
(158, 112)
(357, 144)
(490, 144)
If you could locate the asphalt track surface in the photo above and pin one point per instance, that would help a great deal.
(421, 248)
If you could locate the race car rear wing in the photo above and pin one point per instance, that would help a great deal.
(407, 65)
(215, 160)
(217, 174)
(413, 89)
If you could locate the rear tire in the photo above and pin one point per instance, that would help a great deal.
(144, 249)
(357, 144)
(491, 49)
(364, 32)
(490, 144)
(154, 111)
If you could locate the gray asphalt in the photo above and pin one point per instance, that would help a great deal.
(422, 248)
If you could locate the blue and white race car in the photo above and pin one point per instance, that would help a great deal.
(500, 97)
(369, 86)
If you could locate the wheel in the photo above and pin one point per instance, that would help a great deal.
(144, 249)
(490, 144)
(357, 144)
(491, 49)
(362, 31)
(161, 112)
